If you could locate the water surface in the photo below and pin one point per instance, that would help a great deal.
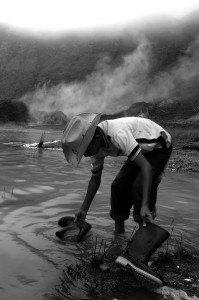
(37, 187)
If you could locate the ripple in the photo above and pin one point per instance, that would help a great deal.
(169, 207)
(34, 190)
(45, 187)
(21, 192)
(181, 201)
(19, 180)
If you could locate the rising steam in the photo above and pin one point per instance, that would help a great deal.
(110, 89)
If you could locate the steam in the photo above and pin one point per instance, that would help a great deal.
(102, 91)
(110, 89)
(181, 81)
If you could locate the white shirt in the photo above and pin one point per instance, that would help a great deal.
(128, 136)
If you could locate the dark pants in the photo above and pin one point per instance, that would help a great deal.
(126, 189)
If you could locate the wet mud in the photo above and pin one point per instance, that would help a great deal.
(186, 160)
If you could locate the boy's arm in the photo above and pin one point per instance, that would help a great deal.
(92, 188)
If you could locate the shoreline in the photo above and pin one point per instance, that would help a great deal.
(184, 157)
(184, 160)
(185, 154)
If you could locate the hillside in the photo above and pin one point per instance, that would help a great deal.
(167, 113)
(155, 66)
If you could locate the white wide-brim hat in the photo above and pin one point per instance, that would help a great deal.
(78, 135)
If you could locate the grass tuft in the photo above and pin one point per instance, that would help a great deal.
(98, 255)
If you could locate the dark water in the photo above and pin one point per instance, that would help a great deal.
(37, 187)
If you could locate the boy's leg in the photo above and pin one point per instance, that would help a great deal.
(121, 195)
(158, 159)
(119, 227)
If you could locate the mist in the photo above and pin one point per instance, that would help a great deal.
(109, 89)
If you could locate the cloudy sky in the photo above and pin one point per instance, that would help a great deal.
(58, 15)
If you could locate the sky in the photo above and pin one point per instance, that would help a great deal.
(67, 15)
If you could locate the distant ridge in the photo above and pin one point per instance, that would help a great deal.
(176, 113)
(28, 62)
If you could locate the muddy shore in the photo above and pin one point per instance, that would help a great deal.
(185, 155)
(184, 160)
(107, 280)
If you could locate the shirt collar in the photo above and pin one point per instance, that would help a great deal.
(106, 138)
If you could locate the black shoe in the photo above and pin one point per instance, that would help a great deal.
(65, 221)
(144, 243)
(78, 228)
(141, 272)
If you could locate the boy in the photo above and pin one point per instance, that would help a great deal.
(147, 147)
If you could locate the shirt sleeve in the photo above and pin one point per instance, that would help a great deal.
(127, 143)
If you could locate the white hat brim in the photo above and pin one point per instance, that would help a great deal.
(75, 158)
(87, 138)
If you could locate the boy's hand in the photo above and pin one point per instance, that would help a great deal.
(146, 215)
(81, 215)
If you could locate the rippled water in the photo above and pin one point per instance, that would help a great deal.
(37, 187)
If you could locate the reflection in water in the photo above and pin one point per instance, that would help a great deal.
(38, 187)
